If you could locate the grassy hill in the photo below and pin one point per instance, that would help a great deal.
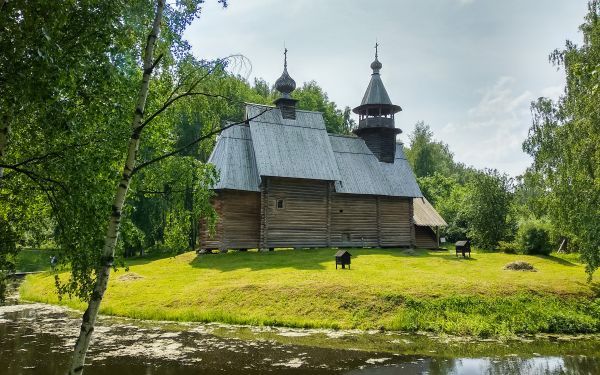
(386, 289)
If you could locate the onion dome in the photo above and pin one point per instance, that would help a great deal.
(285, 84)
(376, 66)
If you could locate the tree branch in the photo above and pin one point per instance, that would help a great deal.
(189, 92)
(34, 176)
(206, 136)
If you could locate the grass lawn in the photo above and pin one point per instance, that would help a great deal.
(385, 289)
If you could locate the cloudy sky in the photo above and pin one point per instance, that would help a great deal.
(468, 68)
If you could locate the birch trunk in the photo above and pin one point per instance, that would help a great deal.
(112, 232)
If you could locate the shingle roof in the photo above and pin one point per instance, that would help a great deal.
(362, 173)
(426, 215)
(359, 168)
(401, 175)
(301, 148)
(376, 92)
(233, 156)
(297, 148)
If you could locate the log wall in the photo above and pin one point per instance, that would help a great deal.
(425, 237)
(313, 215)
(354, 220)
(238, 225)
(302, 222)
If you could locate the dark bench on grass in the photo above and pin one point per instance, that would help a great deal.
(463, 247)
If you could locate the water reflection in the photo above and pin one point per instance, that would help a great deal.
(37, 339)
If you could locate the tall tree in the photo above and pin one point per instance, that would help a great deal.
(564, 141)
(426, 155)
(487, 207)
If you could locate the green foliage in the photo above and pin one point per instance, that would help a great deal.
(312, 97)
(29, 260)
(69, 122)
(133, 239)
(564, 141)
(427, 156)
(487, 208)
(533, 237)
(176, 235)
(448, 197)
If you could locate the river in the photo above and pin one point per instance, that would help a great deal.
(37, 339)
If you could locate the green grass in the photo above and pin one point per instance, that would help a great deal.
(385, 289)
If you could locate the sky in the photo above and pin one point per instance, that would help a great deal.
(467, 68)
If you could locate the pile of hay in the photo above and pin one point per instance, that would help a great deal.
(130, 276)
(520, 266)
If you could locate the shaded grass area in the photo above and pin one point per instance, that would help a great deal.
(385, 289)
(30, 260)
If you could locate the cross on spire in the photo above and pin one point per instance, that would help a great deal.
(376, 45)
(285, 57)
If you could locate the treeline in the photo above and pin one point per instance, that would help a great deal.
(476, 204)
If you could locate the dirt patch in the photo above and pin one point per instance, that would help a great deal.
(408, 252)
(130, 276)
(520, 266)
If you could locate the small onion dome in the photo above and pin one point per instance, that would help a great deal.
(285, 84)
(376, 65)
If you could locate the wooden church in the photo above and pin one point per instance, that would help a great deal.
(286, 182)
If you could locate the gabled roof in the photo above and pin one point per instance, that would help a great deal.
(342, 252)
(234, 157)
(362, 173)
(273, 146)
(426, 215)
(297, 147)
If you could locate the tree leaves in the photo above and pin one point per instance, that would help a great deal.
(564, 141)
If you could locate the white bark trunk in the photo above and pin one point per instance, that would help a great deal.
(112, 233)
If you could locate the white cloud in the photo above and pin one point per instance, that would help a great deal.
(491, 133)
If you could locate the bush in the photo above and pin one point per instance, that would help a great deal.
(508, 247)
(533, 237)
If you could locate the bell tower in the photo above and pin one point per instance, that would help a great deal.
(376, 117)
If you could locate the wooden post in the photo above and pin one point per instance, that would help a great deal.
(411, 210)
(264, 206)
(329, 189)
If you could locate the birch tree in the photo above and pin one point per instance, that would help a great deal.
(564, 140)
(112, 232)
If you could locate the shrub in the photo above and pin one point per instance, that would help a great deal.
(508, 247)
(533, 237)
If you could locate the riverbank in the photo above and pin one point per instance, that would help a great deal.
(39, 338)
(385, 290)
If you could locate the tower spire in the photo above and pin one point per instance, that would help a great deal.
(376, 116)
